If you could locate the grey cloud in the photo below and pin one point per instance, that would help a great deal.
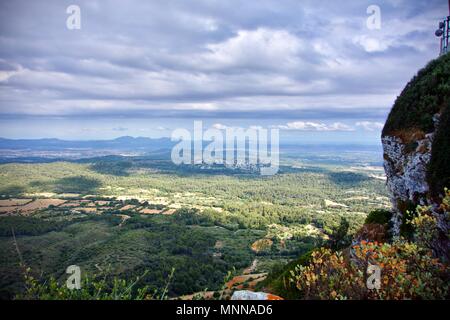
(209, 58)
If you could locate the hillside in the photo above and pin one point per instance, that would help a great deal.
(203, 223)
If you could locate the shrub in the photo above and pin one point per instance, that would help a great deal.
(372, 232)
(379, 216)
(407, 272)
(278, 280)
(408, 211)
(426, 231)
(339, 237)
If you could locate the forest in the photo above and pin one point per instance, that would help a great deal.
(144, 217)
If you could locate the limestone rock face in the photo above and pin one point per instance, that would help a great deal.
(406, 171)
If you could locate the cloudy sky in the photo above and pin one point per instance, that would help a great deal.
(142, 68)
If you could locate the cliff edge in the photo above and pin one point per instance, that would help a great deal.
(416, 143)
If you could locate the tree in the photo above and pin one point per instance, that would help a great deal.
(339, 237)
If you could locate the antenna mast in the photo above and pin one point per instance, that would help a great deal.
(443, 32)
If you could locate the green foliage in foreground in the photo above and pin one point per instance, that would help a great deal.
(278, 280)
(407, 272)
(416, 269)
(98, 288)
(410, 269)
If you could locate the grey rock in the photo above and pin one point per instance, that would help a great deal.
(406, 172)
(249, 295)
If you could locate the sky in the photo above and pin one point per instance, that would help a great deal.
(313, 69)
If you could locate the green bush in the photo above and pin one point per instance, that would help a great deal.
(425, 95)
(379, 216)
(277, 280)
(96, 288)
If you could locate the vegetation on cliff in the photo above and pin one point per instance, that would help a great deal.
(426, 94)
(438, 174)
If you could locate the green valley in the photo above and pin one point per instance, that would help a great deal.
(133, 215)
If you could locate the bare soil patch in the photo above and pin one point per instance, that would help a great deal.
(14, 202)
(150, 211)
(40, 204)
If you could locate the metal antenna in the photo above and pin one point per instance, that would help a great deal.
(443, 32)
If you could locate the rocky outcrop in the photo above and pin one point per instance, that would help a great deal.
(405, 164)
(415, 142)
(406, 170)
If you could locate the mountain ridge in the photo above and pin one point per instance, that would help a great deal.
(124, 142)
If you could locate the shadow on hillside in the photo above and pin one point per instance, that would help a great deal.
(348, 179)
(14, 190)
(116, 168)
(77, 184)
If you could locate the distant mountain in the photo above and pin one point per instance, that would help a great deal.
(125, 143)
(45, 150)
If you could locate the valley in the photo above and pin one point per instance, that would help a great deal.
(131, 216)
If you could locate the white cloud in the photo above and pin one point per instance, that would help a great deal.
(219, 126)
(314, 126)
(227, 56)
(372, 44)
(370, 125)
(264, 48)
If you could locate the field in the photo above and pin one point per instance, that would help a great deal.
(129, 215)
